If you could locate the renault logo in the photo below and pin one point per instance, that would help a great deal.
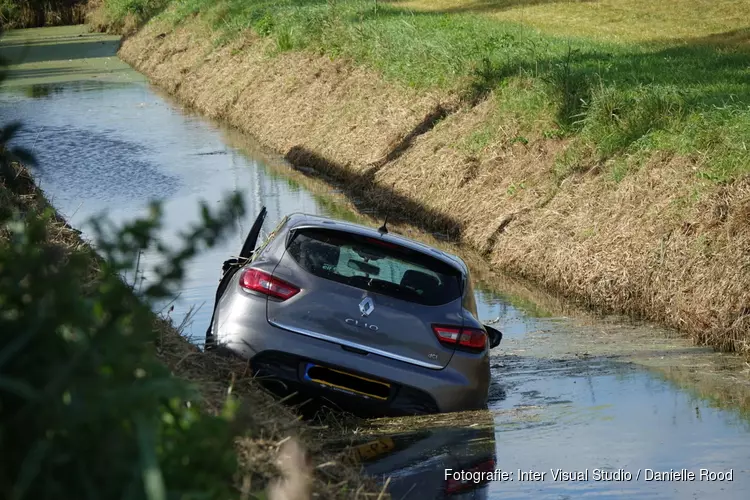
(367, 306)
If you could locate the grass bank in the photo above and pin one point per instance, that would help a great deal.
(38, 13)
(682, 96)
(613, 172)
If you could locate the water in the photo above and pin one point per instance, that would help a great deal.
(569, 391)
(128, 147)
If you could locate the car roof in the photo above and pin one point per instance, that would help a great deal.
(300, 220)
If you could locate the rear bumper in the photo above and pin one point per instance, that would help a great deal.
(278, 354)
(275, 367)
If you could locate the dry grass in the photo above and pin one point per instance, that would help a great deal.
(611, 20)
(647, 245)
(390, 426)
(265, 423)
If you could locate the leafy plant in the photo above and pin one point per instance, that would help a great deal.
(87, 410)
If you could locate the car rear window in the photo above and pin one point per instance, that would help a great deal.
(375, 265)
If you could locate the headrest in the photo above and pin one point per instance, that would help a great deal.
(316, 254)
(420, 281)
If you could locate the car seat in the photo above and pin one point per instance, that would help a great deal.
(318, 257)
(425, 284)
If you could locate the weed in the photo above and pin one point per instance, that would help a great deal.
(620, 169)
(572, 88)
(265, 25)
(618, 120)
(513, 188)
(478, 140)
(128, 15)
(285, 40)
(557, 133)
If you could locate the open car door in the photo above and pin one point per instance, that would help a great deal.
(252, 237)
(495, 336)
(231, 266)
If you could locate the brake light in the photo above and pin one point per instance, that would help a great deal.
(470, 478)
(263, 282)
(473, 339)
(383, 243)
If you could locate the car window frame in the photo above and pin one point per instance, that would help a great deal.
(469, 300)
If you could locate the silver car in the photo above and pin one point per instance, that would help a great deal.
(371, 321)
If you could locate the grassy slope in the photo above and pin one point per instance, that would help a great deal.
(625, 99)
(621, 165)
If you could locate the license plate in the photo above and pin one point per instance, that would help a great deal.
(343, 388)
(373, 449)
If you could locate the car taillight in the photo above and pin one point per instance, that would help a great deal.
(382, 243)
(263, 282)
(471, 478)
(473, 339)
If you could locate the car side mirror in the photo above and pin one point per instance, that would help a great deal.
(495, 336)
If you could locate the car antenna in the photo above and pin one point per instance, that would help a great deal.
(383, 229)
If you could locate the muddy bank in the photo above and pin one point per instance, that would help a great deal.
(659, 244)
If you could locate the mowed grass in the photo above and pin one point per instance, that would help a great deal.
(617, 101)
(611, 20)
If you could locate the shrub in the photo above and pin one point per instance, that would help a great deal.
(86, 408)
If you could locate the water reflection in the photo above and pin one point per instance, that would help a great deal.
(41, 91)
(430, 463)
(112, 149)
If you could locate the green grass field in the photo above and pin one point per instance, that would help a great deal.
(623, 79)
(613, 20)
